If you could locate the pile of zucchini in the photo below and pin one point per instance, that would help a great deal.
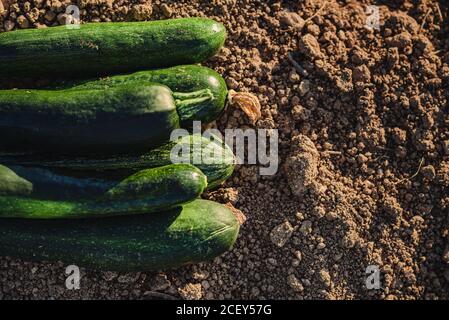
(86, 175)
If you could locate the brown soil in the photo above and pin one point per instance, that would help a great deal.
(363, 123)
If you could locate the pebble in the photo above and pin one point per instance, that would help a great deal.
(291, 19)
(446, 147)
(166, 10)
(160, 282)
(309, 45)
(9, 25)
(325, 278)
(191, 291)
(205, 284)
(294, 283)
(306, 227)
(281, 234)
(23, 22)
(49, 16)
(428, 172)
(304, 87)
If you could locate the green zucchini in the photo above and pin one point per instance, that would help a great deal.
(108, 48)
(147, 191)
(113, 120)
(181, 80)
(199, 231)
(120, 166)
(57, 184)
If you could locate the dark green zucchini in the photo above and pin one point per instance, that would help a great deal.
(120, 166)
(108, 48)
(57, 184)
(181, 80)
(113, 120)
(147, 191)
(199, 231)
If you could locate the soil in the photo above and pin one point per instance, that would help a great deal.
(363, 123)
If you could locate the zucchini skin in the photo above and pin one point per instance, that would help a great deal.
(108, 121)
(198, 231)
(97, 49)
(58, 185)
(147, 191)
(185, 78)
(119, 166)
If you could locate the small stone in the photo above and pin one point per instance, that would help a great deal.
(299, 215)
(166, 10)
(301, 166)
(205, 284)
(361, 74)
(331, 215)
(446, 147)
(63, 18)
(306, 227)
(294, 77)
(325, 278)
(399, 135)
(23, 22)
(280, 234)
(200, 275)
(294, 283)
(160, 282)
(9, 25)
(428, 172)
(298, 255)
(361, 158)
(309, 46)
(56, 6)
(40, 26)
(50, 16)
(319, 212)
(304, 87)
(141, 12)
(26, 6)
(291, 19)
(321, 246)
(191, 291)
(232, 83)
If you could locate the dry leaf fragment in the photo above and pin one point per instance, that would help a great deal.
(248, 102)
(241, 218)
